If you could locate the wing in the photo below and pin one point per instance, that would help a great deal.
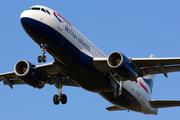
(48, 71)
(164, 103)
(157, 65)
(143, 66)
(114, 108)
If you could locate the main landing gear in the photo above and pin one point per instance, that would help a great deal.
(60, 97)
(118, 91)
(43, 57)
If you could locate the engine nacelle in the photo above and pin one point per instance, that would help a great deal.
(122, 65)
(27, 72)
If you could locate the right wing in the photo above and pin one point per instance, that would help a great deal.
(144, 66)
(164, 103)
(157, 65)
(48, 71)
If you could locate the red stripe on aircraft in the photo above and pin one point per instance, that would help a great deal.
(62, 18)
(140, 83)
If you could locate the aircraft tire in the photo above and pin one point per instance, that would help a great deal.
(44, 58)
(55, 99)
(40, 59)
(63, 99)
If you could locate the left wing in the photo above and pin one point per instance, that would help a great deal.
(143, 66)
(47, 71)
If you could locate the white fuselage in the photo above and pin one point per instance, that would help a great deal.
(66, 29)
(58, 23)
(141, 95)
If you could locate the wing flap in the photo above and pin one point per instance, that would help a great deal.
(146, 62)
(114, 108)
(67, 82)
(14, 82)
(164, 103)
(7, 75)
(157, 70)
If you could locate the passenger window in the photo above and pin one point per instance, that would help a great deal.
(48, 12)
(35, 8)
(42, 9)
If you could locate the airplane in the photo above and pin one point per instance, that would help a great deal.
(125, 82)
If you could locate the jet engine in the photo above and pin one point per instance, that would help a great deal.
(122, 65)
(27, 72)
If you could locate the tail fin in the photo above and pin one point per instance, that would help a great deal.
(146, 82)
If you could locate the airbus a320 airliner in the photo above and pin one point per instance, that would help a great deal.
(125, 82)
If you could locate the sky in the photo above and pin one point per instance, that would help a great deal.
(136, 28)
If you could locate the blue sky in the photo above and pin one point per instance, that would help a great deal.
(137, 28)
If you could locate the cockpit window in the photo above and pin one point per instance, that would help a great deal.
(48, 12)
(35, 8)
(42, 9)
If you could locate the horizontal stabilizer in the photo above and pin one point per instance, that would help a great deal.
(114, 108)
(164, 103)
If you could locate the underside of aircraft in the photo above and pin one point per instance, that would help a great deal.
(124, 81)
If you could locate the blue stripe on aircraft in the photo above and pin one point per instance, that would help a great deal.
(57, 18)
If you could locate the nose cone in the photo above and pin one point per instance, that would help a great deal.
(24, 18)
(33, 25)
(30, 24)
(28, 16)
(23, 14)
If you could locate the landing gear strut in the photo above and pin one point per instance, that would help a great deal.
(120, 87)
(118, 91)
(43, 57)
(60, 97)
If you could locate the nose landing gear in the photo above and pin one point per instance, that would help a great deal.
(43, 57)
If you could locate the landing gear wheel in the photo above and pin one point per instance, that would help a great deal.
(44, 58)
(58, 82)
(56, 99)
(63, 99)
(40, 59)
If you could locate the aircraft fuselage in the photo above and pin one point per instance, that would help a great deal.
(73, 53)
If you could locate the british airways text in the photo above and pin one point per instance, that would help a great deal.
(76, 37)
